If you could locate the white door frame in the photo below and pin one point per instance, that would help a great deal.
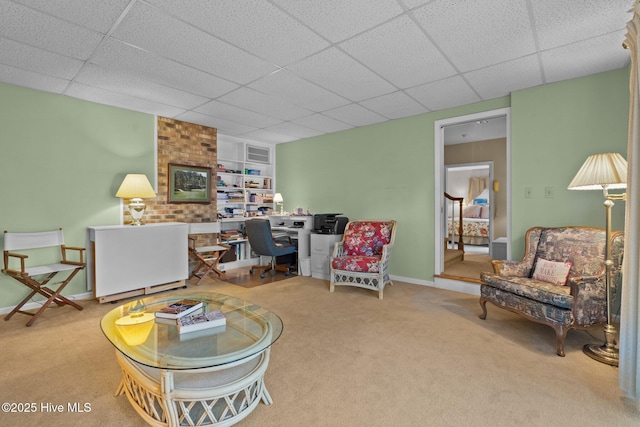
(439, 177)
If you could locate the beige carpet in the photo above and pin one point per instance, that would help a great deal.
(420, 357)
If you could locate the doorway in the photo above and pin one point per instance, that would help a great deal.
(462, 130)
(471, 182)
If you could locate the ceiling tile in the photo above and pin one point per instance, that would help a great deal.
(236, 114)
(355, 115)
(415, 3)
(37, 29)
(502, 79)
(264, 104)
(256, 26)
(562, 22)
(268, 136)
(409, 58)
(447, 93)
(19, 77)
(296, 90)
(394, 105)
(38, 60)
(98, 15)
(570, 61)
(292, 129)
(338, 20)
(322, 123)
(153, 30)
(101, 96)
(224, 126)
(477, 34)
(125, 83)
(122, 57)
(339, 73)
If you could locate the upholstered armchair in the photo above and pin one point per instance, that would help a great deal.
(560, 281)
(362, 257)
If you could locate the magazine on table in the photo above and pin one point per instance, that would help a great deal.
(179, 309)
(196, 322)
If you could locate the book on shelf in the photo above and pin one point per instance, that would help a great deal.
(179, 309)
(196, 322)
(231, 235)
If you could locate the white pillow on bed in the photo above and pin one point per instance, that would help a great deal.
(484, 212)
(472, 211)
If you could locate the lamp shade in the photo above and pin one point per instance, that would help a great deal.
(277, 198)
(135, 186)
(608, 170)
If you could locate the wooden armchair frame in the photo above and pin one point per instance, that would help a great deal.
(207, 257)
(26, 275)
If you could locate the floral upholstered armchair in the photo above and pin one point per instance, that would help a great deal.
(560, 281)
(362, 257)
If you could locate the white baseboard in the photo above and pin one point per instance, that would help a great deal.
(440, 283)
(457, 286)
(411, 280)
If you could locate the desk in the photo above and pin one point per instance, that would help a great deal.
(284, 223)
(213, 376)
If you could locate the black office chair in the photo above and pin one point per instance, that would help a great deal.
(263, 243)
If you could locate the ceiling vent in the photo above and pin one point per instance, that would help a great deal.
(257, 154)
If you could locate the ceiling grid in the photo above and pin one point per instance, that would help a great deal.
(280, 70)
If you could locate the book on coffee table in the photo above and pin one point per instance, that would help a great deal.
(196, 322)
(208, 333)
(179, 309)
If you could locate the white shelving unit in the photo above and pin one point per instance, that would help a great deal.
(246, 184)
(244, 177)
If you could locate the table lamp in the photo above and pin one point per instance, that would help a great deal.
(136, 187)
(604, 172)
(278, 200)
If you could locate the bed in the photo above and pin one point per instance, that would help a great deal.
(475, 225)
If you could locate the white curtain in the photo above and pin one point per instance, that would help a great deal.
(630, 309)
(476, 186)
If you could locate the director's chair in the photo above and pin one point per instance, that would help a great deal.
(27, 275)
(207, 256)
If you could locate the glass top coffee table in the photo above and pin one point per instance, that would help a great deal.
(210, 376)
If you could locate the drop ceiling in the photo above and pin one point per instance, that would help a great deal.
(281, 70)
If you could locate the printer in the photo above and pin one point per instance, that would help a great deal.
(329, 223)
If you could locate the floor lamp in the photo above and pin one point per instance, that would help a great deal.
(604, 172)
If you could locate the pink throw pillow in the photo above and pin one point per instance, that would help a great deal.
(471, 211)
(484, 212)
(551, 271)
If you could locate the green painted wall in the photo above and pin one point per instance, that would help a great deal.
(554, 129)
(374, 172)
(386, 170)
(61, 162)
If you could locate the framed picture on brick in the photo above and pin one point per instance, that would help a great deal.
(189, 184)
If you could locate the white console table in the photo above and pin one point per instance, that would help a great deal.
(125, 260)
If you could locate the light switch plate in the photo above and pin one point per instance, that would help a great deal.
(528, 193)
(548, 192)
